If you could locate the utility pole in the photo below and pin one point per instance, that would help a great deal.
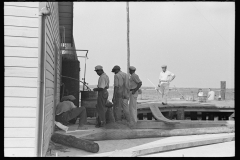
(128, 45)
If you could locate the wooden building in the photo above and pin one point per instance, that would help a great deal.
(34, 33)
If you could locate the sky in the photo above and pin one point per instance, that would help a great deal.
(196, 40)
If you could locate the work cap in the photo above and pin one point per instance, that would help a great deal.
(164, 66)
(132, 68)
(115, 67)
(69, 97)
(98, 67)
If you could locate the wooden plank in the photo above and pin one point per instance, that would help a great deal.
(20, 41)
(47, 125)
(49, 30)
(20, 92)
(20, 21)
(22, 4)
(159, 146)
(64, 15)
(19, 142)
(19, 122)
(50, 65)
(48, 108)
(20, 62)
(19, 152)
(65, 9)
(20, 82)
(20, 72)
(20, 52)
(49, 75)
(183, 125)
(49, 91)
(49, 83)
(19, 132)
(65, 3)
(20, 102)
(49, 50)
(21, 11)
(48, 100)
(158, 115)
(11, 112)
(20, 31)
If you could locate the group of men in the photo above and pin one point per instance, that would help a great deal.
(124, 97)
(125, 90)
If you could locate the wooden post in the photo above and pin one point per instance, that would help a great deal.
(204, 116)
(128, 44)
(149, 116)
(180, 114)
(223, 89)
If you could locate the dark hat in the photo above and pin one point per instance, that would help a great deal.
(115, 67)
(98, 67)
(132, 68)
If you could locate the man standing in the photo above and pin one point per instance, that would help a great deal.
(211, 94)
(135, 84)
(120, 94)
(165, 78)
(66, 111)
(103, 85)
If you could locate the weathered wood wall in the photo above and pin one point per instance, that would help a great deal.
(20, 77)
(52, 72)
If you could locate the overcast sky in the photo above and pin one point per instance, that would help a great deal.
(194, 39)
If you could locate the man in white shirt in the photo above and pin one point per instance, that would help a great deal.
(135, 84)
(103, 85)
(211, 94)
(165, 78)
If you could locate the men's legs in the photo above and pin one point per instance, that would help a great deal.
(166, 90)
(101, 102)
(117, 109)
(133, 106)
(161, 88)
(75, 112)
(126, 109)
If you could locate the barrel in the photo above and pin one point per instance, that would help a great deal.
(89, 101)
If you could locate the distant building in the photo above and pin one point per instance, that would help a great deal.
(32, 69)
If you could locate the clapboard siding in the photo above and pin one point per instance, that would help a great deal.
(19, 122)
(20, 21)
(20, 102)
(19, 142)
(13, 112)
(22, 4)
(21, 75)
(20, 62)
(20, 92)
(20, 52)
(20, 31)
(20, 41)
(19, 132)
(48, 100)
(20, 82)
(52, 58)
(20, 11)
(19, 152)
(20, 72)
